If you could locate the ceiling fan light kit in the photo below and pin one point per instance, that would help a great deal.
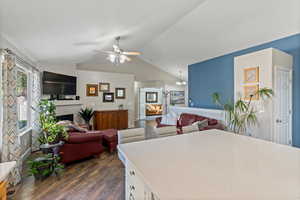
(181, 82)
(118, 56)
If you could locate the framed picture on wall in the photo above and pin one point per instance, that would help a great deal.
(251, 75)
(151, 97)
(120, 93)
(108, 97)
(177, 97)
(104, 87)
(250, 91)
(91, 90)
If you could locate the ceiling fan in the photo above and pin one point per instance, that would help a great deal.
(117, 55)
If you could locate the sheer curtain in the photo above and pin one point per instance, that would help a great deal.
(36, 95)
(11, 150)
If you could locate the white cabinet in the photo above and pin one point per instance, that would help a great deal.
(134, 186)
(275, 72)
(136, 189)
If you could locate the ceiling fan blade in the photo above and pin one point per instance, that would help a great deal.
(131, 53)
(107, 52)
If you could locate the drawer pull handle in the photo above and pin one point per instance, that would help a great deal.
(132, 173)
(132, 187)
(131, 197)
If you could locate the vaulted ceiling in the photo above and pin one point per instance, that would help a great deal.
(171, 34)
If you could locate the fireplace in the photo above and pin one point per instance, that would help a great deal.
(154, 109)
(69, 117)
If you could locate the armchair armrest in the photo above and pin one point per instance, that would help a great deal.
(84, 137)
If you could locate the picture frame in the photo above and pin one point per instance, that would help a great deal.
(108, 97)
(151, 97)
(104, 87)
(120, 93)
(91, 90)
(251, 90)
(177, 97)
(251, 75)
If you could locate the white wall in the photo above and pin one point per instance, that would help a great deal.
(115, 80)
(174, 87)
(265, 60)
(67, 69)
(142, 99)
(142, 70)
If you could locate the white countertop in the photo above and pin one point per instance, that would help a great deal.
(216, 164)
(5, 169)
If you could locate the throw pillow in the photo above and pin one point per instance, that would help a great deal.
(201, 124)
(77, 128)
(70, 127)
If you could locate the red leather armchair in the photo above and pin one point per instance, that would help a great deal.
(81, 145)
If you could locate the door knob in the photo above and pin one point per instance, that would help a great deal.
(278, 121)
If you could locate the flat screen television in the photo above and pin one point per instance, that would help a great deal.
(58, 84)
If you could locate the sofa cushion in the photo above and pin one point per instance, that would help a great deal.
(212, 122)
(187, 119)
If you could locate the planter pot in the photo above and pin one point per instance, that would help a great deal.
(43, 171)
(40, 176)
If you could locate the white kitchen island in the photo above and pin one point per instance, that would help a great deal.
(210, 165)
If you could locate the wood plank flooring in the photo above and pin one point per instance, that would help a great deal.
(93, 179)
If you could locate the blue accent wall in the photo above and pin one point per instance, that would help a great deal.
(217, 75)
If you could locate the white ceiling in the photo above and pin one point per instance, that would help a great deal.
(171, 34)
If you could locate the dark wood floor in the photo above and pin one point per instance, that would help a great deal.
(93, 179)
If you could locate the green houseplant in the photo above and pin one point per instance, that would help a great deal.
(44, 166)
(86, 114)
(51, 131)
(241, 114)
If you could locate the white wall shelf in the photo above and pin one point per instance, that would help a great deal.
(67, 102)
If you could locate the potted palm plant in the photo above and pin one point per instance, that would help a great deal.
(86, 114)
(241, 114)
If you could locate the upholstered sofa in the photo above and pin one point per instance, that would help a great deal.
(81, 145)
(187, 119)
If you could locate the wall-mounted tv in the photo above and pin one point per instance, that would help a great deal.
(58, 84)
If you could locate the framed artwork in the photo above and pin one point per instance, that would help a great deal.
(120, 93)
(251, 75)
(104, 87)
(177, 97)
(151, 97)
(108, 97)
(251, 90)
(91, 90)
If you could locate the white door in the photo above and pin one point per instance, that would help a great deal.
(283, 106)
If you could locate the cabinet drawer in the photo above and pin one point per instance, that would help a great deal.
(135, 188)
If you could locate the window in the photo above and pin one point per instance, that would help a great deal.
(23, 99)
